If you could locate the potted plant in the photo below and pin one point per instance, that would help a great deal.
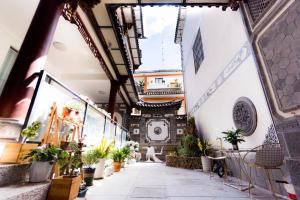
(102, 152)
(234, 137)
(67, 185)
(126, 155)
(89, 158)
(141, 85)
(118, 157)
(42, 159)
(205, 147)
(14, 152)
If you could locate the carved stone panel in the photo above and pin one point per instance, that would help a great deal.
(244, 115)
(158, 130)
(280, 46)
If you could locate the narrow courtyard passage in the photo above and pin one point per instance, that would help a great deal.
(156, 181)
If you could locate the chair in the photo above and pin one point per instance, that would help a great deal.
(268, 157)
(161, 151)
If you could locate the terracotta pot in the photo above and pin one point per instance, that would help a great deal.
(66, 112)
(117, 166)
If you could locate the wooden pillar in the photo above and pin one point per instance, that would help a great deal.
(21, 83)
(114, 88)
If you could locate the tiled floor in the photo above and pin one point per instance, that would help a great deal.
(156, 181)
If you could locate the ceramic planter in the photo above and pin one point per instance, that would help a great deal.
(117, 166)
(235, 146)
(88, 175)
(82, 191)
(100, 169)
(40, 171)
(64, 188)
(206, 164)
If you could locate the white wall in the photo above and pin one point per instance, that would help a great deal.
(223, 35)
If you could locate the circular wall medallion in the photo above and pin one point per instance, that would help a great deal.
(244, 115)
(157, 130)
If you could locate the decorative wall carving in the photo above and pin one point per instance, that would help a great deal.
(244, 115)
(179, 131)
(280, 50)
(271, 136)
(136, 131)
(158, 130)
(258, 8)
(235, 62)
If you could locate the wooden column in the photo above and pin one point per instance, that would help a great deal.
(114, 88)
(21, 83)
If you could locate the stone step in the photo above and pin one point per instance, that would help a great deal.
(32, 191)
(13, 173)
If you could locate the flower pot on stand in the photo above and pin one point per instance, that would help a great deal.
(88, 175)
(100, 169)
(40, 171)
(235, 146)
(206, 164)
(117, 166)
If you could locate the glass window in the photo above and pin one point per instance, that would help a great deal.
(5, 68)
(198, 51)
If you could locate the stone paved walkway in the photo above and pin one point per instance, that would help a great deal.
(156, 181)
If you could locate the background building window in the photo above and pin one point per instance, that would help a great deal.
(159, 80)
(198, 51)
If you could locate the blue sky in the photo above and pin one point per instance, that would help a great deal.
(159, 50)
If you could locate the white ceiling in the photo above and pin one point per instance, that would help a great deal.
(76, 66)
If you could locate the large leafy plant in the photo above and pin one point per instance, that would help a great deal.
(189, 146)
(72, 161)
(234, 136)
(45, 154)
(104, 149)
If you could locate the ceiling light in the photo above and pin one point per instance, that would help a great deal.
(59, 46)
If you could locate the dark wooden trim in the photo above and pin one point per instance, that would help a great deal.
(111, 10)
(104, 26)
(89, 12)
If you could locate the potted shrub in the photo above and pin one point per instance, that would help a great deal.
(102, 152)
(205, 147)
(234, 137)
(126, 155)
(15, 152)
(67, 185)
(42, 159)
(118, 157)
(89, 159)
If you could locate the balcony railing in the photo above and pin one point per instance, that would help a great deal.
(161, 91)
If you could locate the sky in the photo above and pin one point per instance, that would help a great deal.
(159, 50)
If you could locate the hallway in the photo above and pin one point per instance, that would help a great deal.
(156, 181)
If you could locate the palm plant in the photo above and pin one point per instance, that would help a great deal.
(204, 147)
(234, 137)
(105, 147)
